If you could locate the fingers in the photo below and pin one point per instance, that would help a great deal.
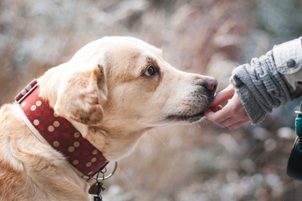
(224, 95)
(237, 125)
(231, 116)
(219, 116)
(233, 123)
(230, 122)
(215, 108)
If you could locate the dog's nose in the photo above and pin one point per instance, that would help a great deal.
(210, 84)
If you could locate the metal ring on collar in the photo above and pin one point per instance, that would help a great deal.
(110, 175)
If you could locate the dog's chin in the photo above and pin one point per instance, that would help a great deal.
(186, 117)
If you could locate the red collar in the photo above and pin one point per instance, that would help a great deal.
(59, 133)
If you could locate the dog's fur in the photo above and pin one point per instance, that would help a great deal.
(106, 93)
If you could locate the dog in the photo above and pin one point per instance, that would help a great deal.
(105, 97)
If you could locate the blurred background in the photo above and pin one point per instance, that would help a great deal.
(199, 162)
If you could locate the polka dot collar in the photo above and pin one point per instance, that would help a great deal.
(59, 133)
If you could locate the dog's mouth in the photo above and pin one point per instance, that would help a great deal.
(188, 118)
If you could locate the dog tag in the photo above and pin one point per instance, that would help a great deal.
(96, 188)
(97, 198)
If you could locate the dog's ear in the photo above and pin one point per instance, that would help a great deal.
(82, 97)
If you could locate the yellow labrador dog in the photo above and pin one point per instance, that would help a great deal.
(66, 125)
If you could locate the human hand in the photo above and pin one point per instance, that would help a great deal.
(232, 115)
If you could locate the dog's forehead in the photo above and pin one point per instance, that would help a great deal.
(130, 43)
(117, 48)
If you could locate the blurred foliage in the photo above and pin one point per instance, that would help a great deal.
(280, 19)
(184, 163)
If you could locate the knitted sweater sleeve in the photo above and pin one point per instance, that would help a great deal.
(263, 83)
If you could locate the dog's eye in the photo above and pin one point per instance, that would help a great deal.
(151, 71)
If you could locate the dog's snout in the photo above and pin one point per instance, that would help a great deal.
(210, 84)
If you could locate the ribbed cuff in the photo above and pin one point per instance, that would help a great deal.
(241, 80)
(251, 106)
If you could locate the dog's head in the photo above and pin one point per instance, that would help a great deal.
(125, 81)
(123, 85)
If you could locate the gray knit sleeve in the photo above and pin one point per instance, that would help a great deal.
(262, 84)
(261, 87)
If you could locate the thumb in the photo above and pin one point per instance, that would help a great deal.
(223, 95)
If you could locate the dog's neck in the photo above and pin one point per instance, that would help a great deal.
(58, 132)
(114, 143)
